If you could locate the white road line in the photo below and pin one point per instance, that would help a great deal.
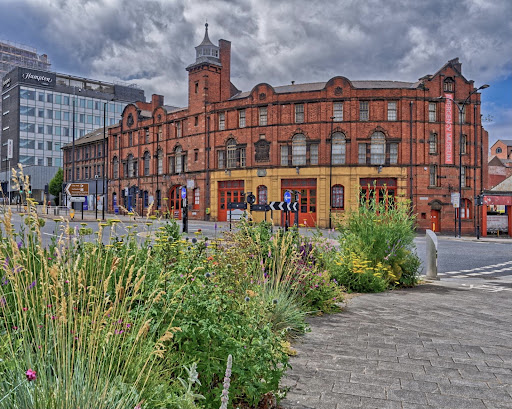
(490, 266)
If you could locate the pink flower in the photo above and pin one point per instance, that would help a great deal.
(31, 375)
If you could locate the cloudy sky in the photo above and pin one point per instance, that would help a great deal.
(276, 41)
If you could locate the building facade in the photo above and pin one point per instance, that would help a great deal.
(502, 149)
(17, 55)
(38, 115)
(333, 143)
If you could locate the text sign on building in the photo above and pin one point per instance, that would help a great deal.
(448, 130)
(10, 148)
(77, 189)
(37, 77)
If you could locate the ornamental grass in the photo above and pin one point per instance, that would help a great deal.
(72, 335)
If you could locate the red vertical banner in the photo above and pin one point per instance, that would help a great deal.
(448, 132)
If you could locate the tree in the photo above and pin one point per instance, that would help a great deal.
(55, 186)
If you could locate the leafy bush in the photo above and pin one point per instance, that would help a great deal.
(377, 247)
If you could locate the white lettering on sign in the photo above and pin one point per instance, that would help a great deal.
(6, 83)
(448, 119)
(40, 78)
(10, 148)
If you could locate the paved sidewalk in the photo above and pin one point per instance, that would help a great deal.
(440, 345)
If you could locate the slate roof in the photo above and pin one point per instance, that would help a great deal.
(317, 86)
(92, 136)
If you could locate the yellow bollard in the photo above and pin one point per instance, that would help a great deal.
(72, 213)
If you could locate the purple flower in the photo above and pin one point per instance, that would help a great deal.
(19, 245)
(32, 285)
(31, 375)
(5, 281)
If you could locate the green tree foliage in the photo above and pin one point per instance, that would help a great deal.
(55, 186)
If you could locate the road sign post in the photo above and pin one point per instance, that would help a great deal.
(184, 209)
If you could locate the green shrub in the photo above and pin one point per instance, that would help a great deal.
(381, 234)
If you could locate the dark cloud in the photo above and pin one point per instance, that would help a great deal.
(151, 42)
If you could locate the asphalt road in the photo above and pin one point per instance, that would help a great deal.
(457, 258)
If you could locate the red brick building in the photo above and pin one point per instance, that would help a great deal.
(325, 140)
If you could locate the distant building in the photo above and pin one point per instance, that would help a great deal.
(17, 55)
(90, 162)
(38, 117)
(502, 148)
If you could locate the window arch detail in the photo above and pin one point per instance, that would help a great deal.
(337, 197)
(299, 149)
(115, 167)
(338, 148)
(378, 148)
(262, 194)
(160, 161)
(147, 160)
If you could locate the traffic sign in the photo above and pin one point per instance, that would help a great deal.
(237, 205)
(292, 207)
(287, 197)
(77, 199)
(77, 189)
(259, 208)
(455, 200)
(183, 192)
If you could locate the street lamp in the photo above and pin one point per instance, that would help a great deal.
(330, 178)
(96, 195)
(105, 152)
(461, 110)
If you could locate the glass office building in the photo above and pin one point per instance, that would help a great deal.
(37, 113)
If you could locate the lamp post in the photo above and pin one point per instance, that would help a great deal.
(461, 111)
(105, 164)
(96, 195)
(330, 178)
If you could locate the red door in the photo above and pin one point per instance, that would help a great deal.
(307, 200)
(175, 202)
(434, 221)
(229, 191)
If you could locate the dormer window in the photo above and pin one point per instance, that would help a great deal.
(449, 85)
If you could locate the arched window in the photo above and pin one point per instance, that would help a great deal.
(498, 150)
(262, 194)
(337, 197)
(115, 168)
(178, 159)
(338, 148)
(231, 148)
(299, 150)
(378, 148)
(130, 166)
(160, 161)
(147, 158)
(465, 209)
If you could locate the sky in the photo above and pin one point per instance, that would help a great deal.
(275, 41)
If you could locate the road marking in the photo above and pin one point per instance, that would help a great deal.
(487, 287)
(51, 234)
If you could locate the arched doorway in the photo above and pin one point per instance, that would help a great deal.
(175, 202)
(435, 216)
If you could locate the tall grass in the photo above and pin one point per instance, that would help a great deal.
(75, 318)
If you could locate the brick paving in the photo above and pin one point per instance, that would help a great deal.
(438, 345)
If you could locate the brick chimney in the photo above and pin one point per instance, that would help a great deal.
(225, 74)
